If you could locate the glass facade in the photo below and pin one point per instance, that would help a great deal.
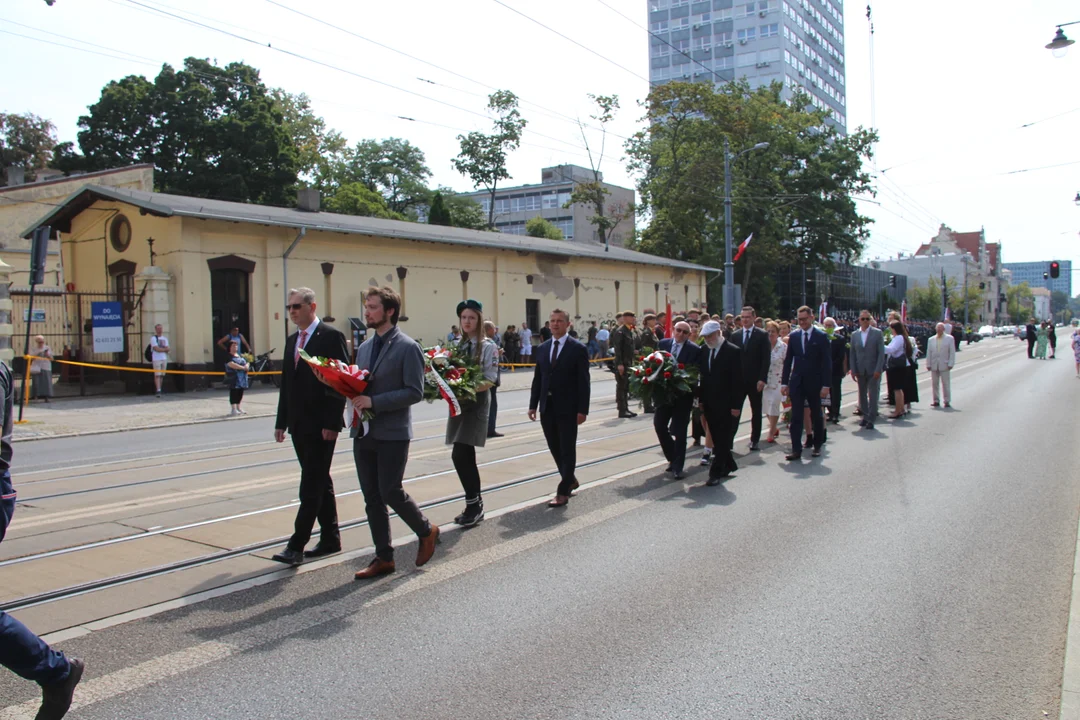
(848, 289)
(1032, 274)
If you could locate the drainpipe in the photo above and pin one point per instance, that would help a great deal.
(285, 273)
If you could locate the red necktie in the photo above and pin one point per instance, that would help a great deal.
(299, 346)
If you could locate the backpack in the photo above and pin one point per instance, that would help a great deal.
(148, 354)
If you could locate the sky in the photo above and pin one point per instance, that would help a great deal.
(953, 83)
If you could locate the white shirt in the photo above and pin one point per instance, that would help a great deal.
(603, 335)
(557, 346)
(865, 336)
(309, 330)
(157, 341)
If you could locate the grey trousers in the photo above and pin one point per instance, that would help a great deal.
(869, 395)
(380, 464)
(41, 381)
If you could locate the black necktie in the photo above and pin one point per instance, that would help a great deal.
(555, 353)
(712, 356)
(376, 348)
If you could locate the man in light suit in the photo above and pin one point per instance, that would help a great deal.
(311, 414)
(867, 361)
(381, 446)
(940, 358)
(560, 391)
(671, 421)
(806, 380)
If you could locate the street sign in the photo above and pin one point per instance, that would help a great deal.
(39, 314)
(108, 324)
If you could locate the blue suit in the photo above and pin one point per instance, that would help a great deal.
(561, 392)
(671, 421)
(807, 370)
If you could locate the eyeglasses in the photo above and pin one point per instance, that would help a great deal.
(294, 306)
(681, 331)
(864, 319)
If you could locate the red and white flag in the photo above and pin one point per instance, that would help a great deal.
(823, 310)
(669, 329)
(903, 312)
(742, 247)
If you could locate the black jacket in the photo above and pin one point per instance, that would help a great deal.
(756, 356)
(305, 405)
(722, 385)
(839, 345)
(562, 389)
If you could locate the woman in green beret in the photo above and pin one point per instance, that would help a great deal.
(468, 431)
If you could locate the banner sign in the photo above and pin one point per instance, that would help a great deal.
(108, 326)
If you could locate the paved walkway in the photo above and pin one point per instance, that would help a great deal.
(114, 413)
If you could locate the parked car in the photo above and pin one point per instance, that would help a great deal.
(986, 331)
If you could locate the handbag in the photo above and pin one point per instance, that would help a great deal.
(895, 363)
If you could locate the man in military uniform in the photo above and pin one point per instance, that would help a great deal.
(623, 342)
(647, 339)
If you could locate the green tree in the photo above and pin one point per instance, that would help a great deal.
(464, 211)
(796, 196)
(394, 168)
(438, 214)
(541, 228)
(209, 131)
(1019, 303)
(924, 301)
(26, 141)
(483, 157)
(320, 152)
(357, 199)
(593, 194)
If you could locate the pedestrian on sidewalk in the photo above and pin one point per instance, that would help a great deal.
(1076, 349)
(234, 336)
(602, 337)
(560, 391)
(940, 359)
(381, 445)
(21, 651)
(41, 369)
(525, 335)
(236, 377)
(312, 415)
(493, 335)
(159, 356)
(469, 430)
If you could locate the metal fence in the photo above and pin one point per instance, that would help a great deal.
(64, 319)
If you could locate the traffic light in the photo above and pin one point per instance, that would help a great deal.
(892, 281)
(982, 286)
(1055, 269)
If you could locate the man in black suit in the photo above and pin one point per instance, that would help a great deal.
(1030, 334)
(806, 380)
(313, 415)
(756, 352)
(670, 421)
(722, 395)
(560, 390)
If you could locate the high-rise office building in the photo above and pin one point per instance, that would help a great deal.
(799, 43)
(1032, 274)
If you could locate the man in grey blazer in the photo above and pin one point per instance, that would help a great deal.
(381, 446)
(867, 361)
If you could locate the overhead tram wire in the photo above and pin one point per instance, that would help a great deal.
(72, 47)
(82, 42)
(331, 66)
(552, 113)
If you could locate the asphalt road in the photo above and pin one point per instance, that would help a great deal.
(919, 571)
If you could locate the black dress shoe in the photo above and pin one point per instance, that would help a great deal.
(679, 475)
(56, 698)
(715, 480)
(754, 447)
(289, 557)
(792, 457)
(321, 550)
(669, 468)
(631, 413)
(495, 435)
(626, 415)
(816, 452)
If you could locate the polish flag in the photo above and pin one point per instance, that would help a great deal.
(742, 248)
(822, 310)
(903, 312)
(669, 324)
(948, 315)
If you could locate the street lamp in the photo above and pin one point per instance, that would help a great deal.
(1060, 44)
(729, 267)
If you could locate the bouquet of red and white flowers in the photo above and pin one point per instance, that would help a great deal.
(452, 376)
(349, 380)
(661, 379)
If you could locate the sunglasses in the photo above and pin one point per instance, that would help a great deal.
(294, 306)
(864, 319)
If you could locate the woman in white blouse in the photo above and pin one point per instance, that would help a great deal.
(897, 361)
(771, 398)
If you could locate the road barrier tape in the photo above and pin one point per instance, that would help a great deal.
(532, 365)
(28, 358)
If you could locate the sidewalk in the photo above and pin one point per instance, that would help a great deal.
(113, 413)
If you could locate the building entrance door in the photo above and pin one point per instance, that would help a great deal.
(229, 302)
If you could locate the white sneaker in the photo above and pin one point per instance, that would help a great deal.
(242, 411)
(234, 412)
(705, 458)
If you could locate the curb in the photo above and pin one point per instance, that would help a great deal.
(141, 427)
(1070, 676)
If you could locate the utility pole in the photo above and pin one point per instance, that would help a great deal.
(966, 304)
(729, 267)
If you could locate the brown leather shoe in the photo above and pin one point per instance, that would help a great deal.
(559, 501)
(376, 569)
(427, 546)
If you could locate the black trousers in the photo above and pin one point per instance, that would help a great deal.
(560, 431)
(834, 398)
(236, 395)
(380, 465)
(622, 390)
(670, 423)
(317, 500)
(1031, 346)
(805, 397)
(755, 417)
(722, 426)
(494, 409)
(464, 458)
